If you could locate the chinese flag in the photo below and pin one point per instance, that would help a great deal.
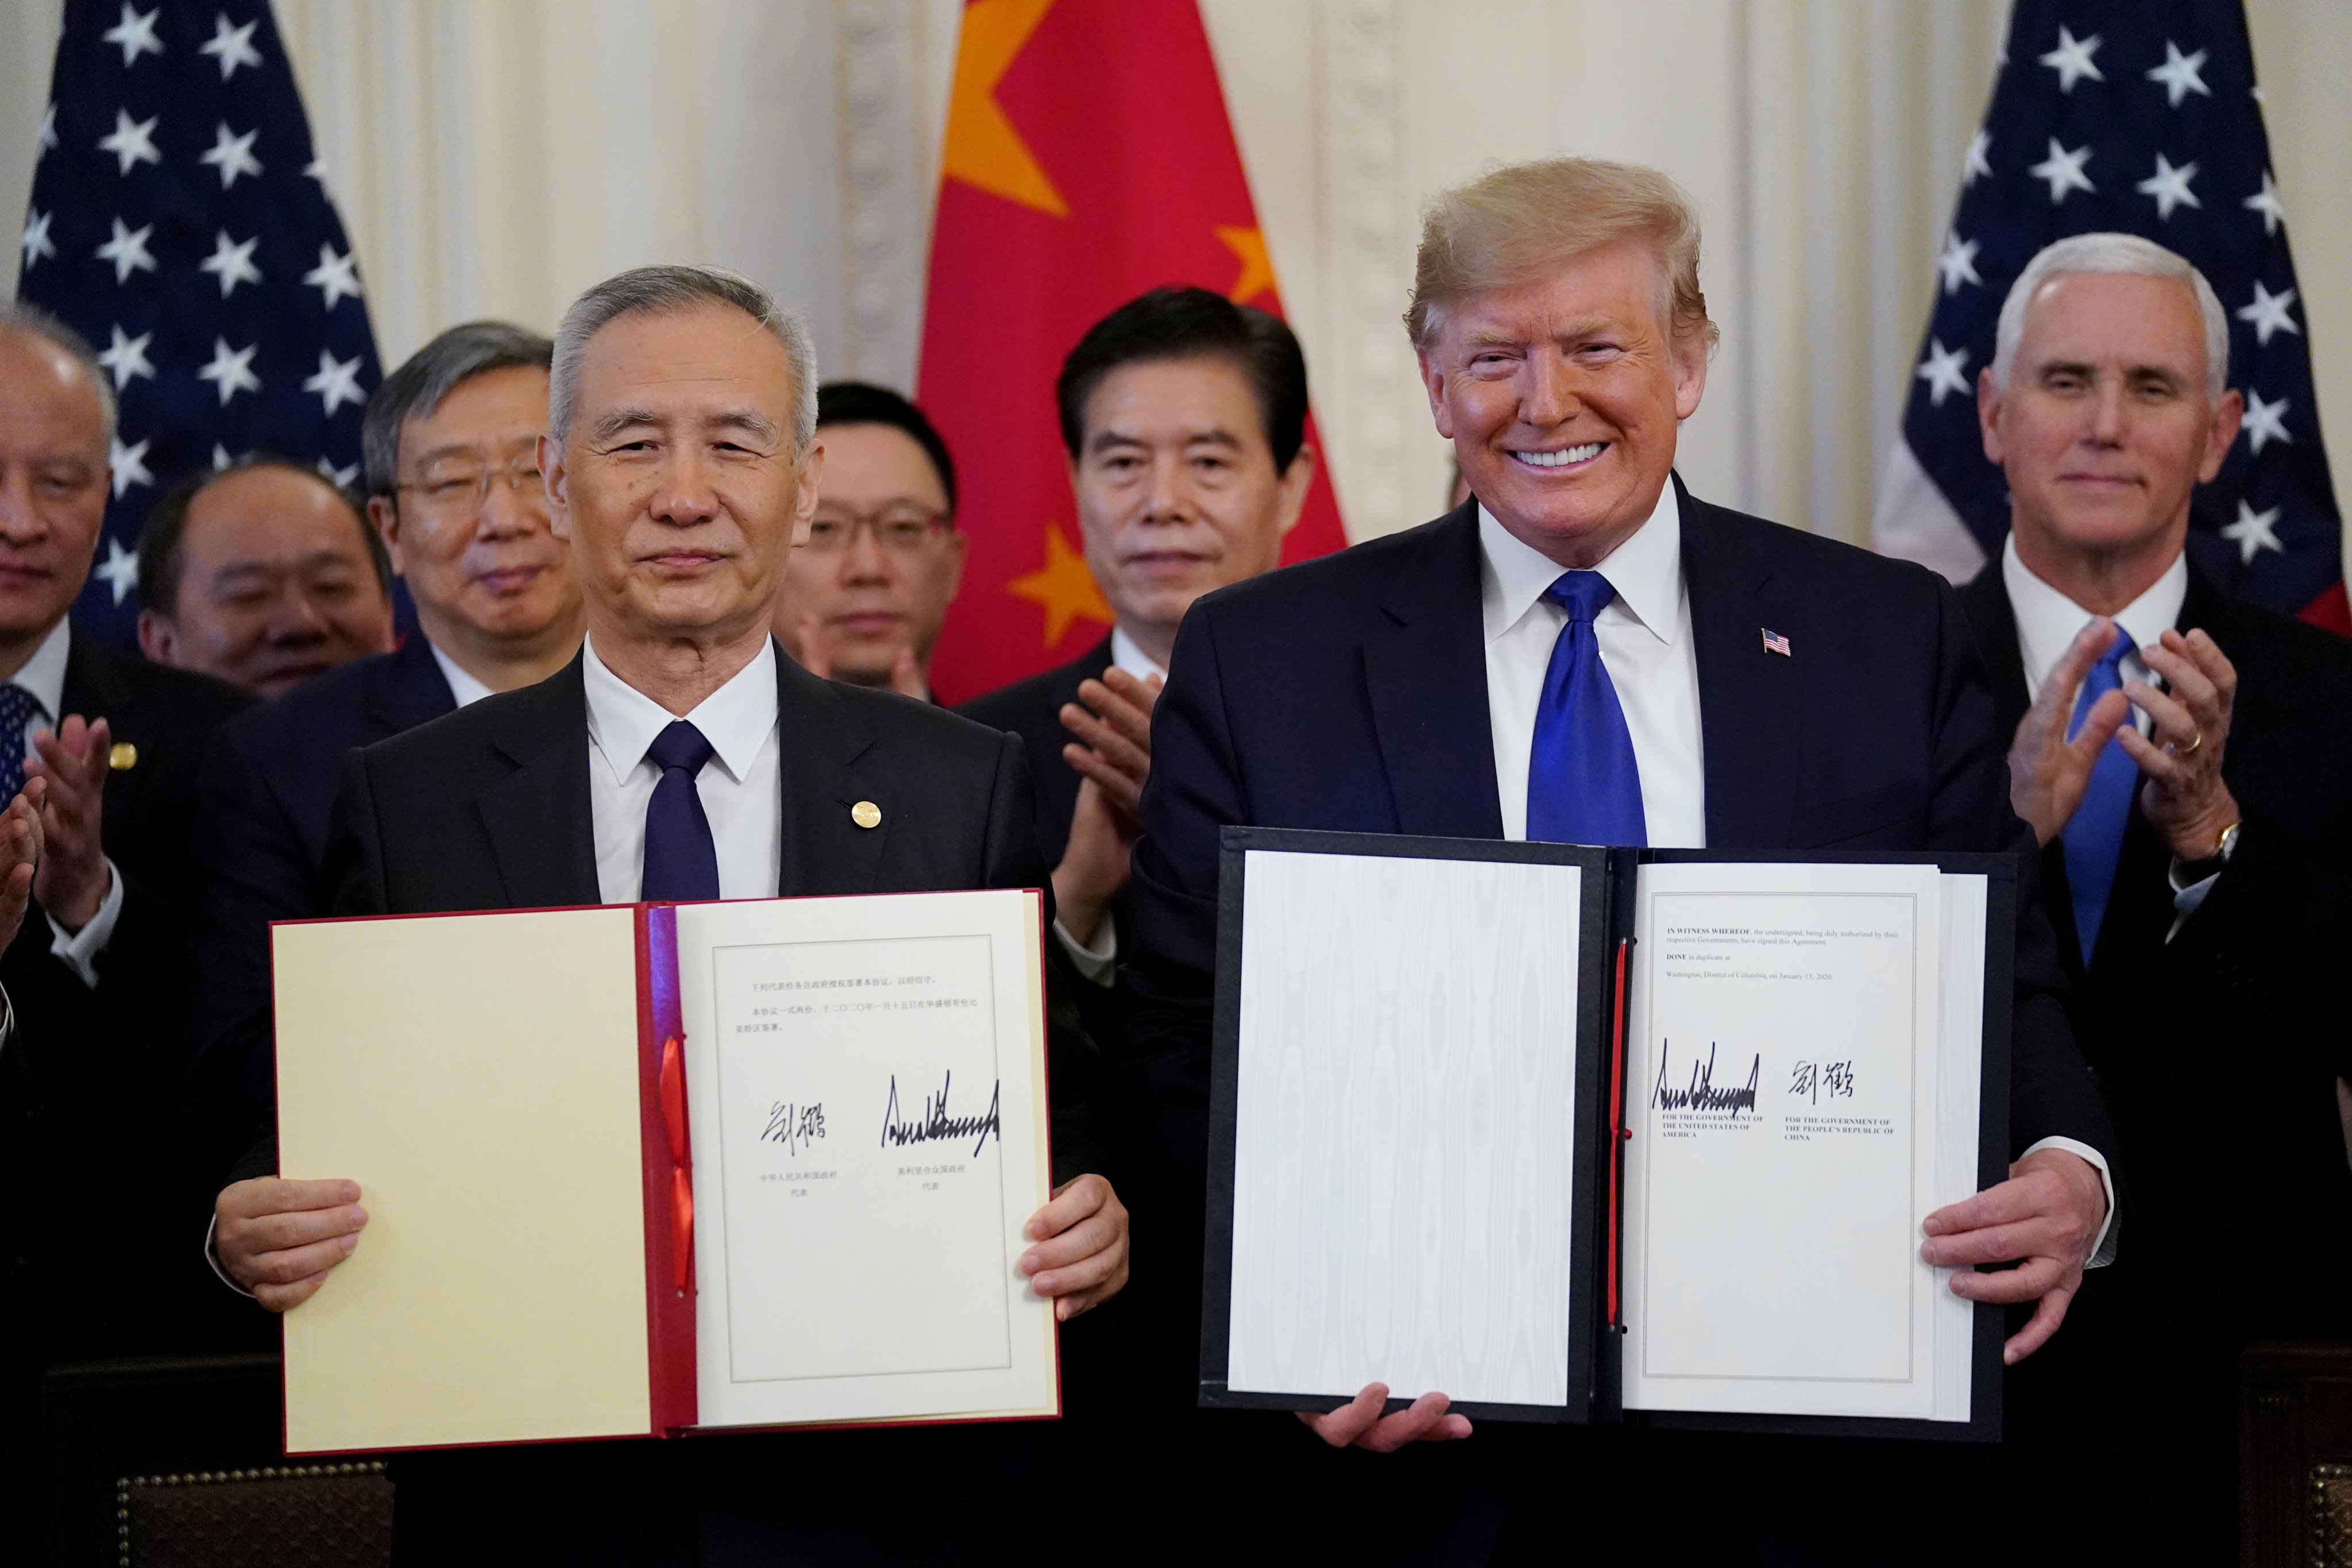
(1088, 158)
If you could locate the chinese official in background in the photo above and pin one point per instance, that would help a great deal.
(1587, 652)
(2184, 760)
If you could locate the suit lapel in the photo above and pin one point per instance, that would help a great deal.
(1751, 700)
(1437, 748)
(409, 689)
(826, 753)
(95, 688)
(539, 818)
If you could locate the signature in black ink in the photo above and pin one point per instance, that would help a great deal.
(937, 1125)
(1702, 1094)
(1812, 1080)
(793, 1125)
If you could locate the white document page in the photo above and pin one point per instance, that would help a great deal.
(1401, 1186)
(867, 1092)
(1784, 1069)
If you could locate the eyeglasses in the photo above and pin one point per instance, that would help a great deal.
(901, 529)
(461, 491)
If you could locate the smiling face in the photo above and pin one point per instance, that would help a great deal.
(678, 485)
(2106, 427)
(469, 530)
(1562, 396)
(1176, 489)
(53, 485)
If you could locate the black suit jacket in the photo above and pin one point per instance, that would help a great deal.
(89, 1084)
(1031, 708)
(2219, 1048)
(1351, 693)
(265, 796)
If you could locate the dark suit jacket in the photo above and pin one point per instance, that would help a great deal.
(2220, 1050)
(1031, 708)
(1351, 693)
(265, 797)
(89, 1085)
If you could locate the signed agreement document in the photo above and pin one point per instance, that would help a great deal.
(775, 1157)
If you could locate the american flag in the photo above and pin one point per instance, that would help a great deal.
(2141, 116)
(180, 222)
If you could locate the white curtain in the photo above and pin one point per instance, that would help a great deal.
(493, 157)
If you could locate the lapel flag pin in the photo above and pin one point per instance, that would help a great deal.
(865, 813)
(1775, 643)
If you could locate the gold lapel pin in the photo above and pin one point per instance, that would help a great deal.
(865, 813)
(122, 757)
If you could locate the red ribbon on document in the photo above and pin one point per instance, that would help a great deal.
(681, 1180)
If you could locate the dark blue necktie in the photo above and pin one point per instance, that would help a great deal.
(1584, 786)
(681, 861)
(18, 708)
(2094, 837)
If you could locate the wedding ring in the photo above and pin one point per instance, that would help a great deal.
(2195, 740)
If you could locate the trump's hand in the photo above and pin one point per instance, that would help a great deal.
(1081, 1258)
(2044, 1218)
(279, 1239)
(1358, 1424)
(20, 856)
(1112, 719)
(2185, 799)
(72, 880)
(2048, 772)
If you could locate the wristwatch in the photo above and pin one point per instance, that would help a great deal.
(2188, 873)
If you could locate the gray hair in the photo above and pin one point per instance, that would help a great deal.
(20, 316)
(2127, 254)
(666, 291)
(432, 373)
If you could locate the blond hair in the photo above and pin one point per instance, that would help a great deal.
(1522, 220)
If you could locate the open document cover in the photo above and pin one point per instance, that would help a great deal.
(636, 1169)
(1583, 1134)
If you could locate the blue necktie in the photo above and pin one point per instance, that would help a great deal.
(18, 708)
(2094, 837)
(681, 862)
(1584, 786)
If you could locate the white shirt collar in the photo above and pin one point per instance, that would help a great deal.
(44, 675)
(2048, 621)
(462, 685)
(1127, 654)
(737, 718)
(1646, 571)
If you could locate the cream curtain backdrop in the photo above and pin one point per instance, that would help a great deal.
(494, 157)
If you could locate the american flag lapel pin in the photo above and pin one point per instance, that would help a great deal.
(1775, 643)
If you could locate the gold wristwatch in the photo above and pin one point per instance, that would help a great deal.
(2188, 873)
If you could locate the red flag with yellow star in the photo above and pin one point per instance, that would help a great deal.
(1088, 158)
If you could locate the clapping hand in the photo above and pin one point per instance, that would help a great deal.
(2049, 774)
(20, 856)
(1112, 753)
(72, 759)
(2185, 798)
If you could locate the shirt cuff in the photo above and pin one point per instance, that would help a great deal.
(2103, 1250)
(8, 1017)
(79, 952)
(212, 1259)
(1099, 963)
(2186, 899)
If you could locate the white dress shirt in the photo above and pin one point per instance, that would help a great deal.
(1645, 634)
(1127, 654)
(43, 677)
(742, 786)
(462, 686)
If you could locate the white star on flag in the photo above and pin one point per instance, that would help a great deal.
(232, 263)
(2178, 74)
(2063, 170)
(2266, 202)
(1959, 264)
(338, 381)
(2252, 532)
(232, 156)
(127, 357)
(129, 466)
(1942, 371)
(36, 242)
(335, 276)
(49, 129)
(135, 34)
(128, 251)
(119, 571)
(2268, 314)
(132, 144)
(342, 478)
(2072, 59)
(233, 46)
(2266, 422)
(231, 370)
(2169, 187)
(1979, 145)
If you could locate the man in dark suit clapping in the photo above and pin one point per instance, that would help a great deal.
(2184, 760)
